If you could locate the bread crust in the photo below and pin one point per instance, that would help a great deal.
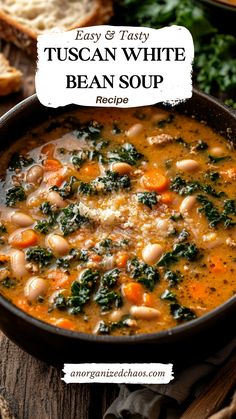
(10, 77)
(25, 38)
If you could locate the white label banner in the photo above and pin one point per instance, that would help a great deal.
(115, 66)
(118, 373)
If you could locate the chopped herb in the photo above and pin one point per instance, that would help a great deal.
(89, 278)
(107, 299)
(163, 122)
(15, 195)
(213, 176)
(68, 189)
(181, 313)
(143, 273)
(87, 189)
(70, 219)
(215, 160)
(147, 198)
(81, 291)
(201, 145)
(60, 302)
(184, 235)
(110, 278)
(182, 187)
(116, 129)
(168, 295)
(126, 153)
(18, 161)
(212, 214)
(103, 328)
(181, 141)
(46, 208)
(9, 282)
(187, 250)
(90, 131)
(113, 181)
(40, 255)
(43, 226)
(173, 278)
(75, 255)
(230, 206)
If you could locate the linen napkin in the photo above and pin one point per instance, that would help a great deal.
(166, 401)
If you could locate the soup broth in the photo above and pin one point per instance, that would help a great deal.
(119, 221)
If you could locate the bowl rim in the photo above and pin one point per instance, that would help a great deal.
(220, 5)
(159, 337)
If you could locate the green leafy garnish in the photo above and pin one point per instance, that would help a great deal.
(18, 161)
(126, 153)
(143, 273)
(147, 198)
(40, 255)
(14, 195)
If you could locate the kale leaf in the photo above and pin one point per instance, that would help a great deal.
(147, 198)
(70, 219)
(18, 161)
(186, 250)
(126, 153)
(113, 181)
(143, 273)
(14, 195)
(181, 313)
(40, 255)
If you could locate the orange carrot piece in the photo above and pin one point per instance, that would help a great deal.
(89, 171)
(24, 239)
(133, 292)
(96, 258)
(167, 198)
(51, 165)
(64, 323)
(216, 265)
(154, 180)
(48, 149)
(4, 258)
(148, 299)
(121, 260)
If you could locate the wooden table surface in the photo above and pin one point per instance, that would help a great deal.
(33, 389)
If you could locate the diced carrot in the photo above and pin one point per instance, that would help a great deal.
(148, 299)
(167, 198)
(96, 258)
(54, 178)
(51, 165)
(48, 149)
(216, 265)
(89, 171)
(133, 292)
(60, 279)
(64, 323)
(154, 180)
(121, 260)
(24, 239)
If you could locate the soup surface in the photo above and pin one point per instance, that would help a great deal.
(119, 221)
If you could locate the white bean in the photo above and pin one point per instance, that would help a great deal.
(21, 219)
(187, 204)
(35, 174)
(216, 151)
(18, 263)
(187, 165)
(121, 168)
(116, 315)
(58, 244)
(144, 313)
(34, 287)
(55, 199)
(152, 253)
(135, 130)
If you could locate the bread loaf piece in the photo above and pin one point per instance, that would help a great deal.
(10, 77)
(22, 21)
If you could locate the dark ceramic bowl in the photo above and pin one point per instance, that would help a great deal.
(184, 343)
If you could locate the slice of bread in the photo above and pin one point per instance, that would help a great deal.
(10, 77)
(22, 21)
